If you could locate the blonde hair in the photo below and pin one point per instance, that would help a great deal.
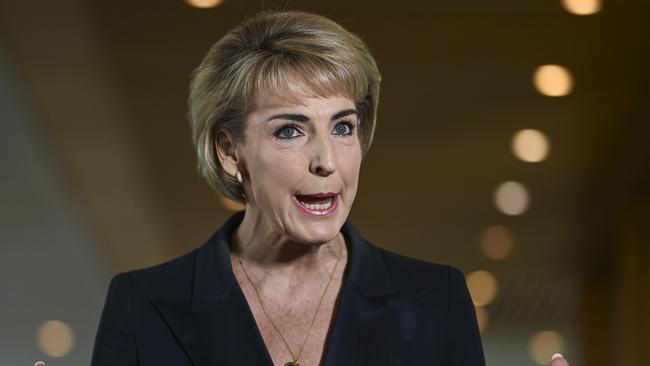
(266, 53)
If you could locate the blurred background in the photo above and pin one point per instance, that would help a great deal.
(513, 141)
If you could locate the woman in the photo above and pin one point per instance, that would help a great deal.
(282, 110)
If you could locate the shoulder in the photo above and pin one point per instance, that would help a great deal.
(410, 273)
(171, 279)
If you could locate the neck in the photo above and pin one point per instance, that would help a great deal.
(259, 243)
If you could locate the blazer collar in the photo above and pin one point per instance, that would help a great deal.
(214, 277)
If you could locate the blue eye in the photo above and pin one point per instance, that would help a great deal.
(344, 128)
(287, 132)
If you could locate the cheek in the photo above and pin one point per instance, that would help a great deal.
(275, 169)
(349, 166)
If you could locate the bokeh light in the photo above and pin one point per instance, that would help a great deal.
(530, 145)
(543, 345)
(55, 338)
(496, 242)
(511, 198)
(204, 4)
(582, 7)
(482, 286)
(553, 80)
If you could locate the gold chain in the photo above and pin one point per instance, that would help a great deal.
(295, 359)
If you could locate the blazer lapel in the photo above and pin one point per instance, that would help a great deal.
(217, 326)
(369, 328)
(215, 333)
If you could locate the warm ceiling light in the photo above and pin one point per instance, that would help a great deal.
(496, 242)
(511, 198)
(582, 7)
(482, 286)
(530, 145)
(481, 318)
(204, 4)
(55, 338)
(231, 204)
(544, 345)
(553, 80)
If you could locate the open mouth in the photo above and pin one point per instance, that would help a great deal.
(317, 204)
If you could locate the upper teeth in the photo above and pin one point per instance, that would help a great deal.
(316, 206)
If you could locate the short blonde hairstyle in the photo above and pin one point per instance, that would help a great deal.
(266, 53)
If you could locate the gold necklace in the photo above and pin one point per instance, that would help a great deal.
(295, 358)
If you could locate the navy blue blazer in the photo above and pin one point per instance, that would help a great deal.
(392, 310)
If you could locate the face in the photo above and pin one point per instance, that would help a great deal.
(301, 163)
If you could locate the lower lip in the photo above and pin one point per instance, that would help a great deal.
(329, 211)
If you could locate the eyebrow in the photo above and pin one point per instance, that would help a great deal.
(303, 118)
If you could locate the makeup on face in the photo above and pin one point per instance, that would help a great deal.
(303, 161)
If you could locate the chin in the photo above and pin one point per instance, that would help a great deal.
(318, 233)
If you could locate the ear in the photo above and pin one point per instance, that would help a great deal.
(226, 152)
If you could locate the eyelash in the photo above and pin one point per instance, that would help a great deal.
(279, 130)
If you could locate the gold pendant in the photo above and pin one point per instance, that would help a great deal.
(292, 363)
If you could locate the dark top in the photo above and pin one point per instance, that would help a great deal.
(392, 310)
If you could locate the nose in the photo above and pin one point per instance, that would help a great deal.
(323, 161)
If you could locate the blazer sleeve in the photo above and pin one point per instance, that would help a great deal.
(463, 345)
(115, 340)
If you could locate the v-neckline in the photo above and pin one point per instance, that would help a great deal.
(335, 311)
(258, 333)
